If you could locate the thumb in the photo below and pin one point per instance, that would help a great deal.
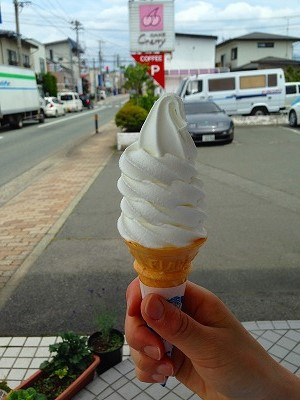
(173, 325)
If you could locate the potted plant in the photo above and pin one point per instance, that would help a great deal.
(4, 390)
(70, 369)
(25, 394)
(107, 342)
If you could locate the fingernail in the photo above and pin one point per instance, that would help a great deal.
(152, 352)
(159, 378)
(154, 308)
(165, 369)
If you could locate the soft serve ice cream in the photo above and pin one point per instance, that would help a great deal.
(162, 207)
(162, 203)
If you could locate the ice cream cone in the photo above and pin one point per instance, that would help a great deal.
(164, 267)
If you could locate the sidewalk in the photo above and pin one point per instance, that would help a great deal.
(21, 356)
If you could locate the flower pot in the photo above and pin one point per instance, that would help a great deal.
(109, 358)
(86, 377)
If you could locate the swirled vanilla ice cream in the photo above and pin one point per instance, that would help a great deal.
(162, 207)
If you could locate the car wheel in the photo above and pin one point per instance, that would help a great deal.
(259, 111)
(293, 118)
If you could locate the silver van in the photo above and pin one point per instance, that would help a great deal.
(71, 101)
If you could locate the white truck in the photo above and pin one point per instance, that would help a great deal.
(20, 98)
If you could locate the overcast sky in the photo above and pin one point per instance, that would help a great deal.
(107, 20)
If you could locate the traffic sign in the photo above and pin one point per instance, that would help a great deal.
(156, 63)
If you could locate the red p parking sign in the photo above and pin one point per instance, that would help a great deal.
(156, 63)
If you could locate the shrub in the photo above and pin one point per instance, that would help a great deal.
(131, 117)
(145, 102)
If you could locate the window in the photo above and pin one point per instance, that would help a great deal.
(265, 44)
(291, 89)
(234, 53)
(252, 82)
(223, 60)
(215, 85)
(194, 87)
(272, 80)
(12, 57)
(26, 61)
(51, 54)
(42, 66)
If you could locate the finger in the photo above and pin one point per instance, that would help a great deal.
(150, 366)
(134, 298)
(174, 325)
(141, 338)
(206, 308)
(148, 378)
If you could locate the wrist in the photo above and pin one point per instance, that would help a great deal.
(285, 385)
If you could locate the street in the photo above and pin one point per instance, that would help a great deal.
(251, 259)
(22, 149)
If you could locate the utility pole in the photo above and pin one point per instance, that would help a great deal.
(77, 27)
(17, 5)
(19, 43)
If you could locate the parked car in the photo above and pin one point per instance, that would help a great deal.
(294, 115)
(71, 101)
(54, 107)
(86, 101)
(292, 93)
(102, 95)
(208, 123)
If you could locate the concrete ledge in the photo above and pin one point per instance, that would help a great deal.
(124, 139)
(260, 120)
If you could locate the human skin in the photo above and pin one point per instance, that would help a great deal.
(214, 355)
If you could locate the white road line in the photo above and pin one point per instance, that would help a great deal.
(292, 130)
(66, 119)
(1, 137)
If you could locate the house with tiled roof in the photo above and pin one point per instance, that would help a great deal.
(238, 52)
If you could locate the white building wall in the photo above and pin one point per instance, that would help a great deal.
(63, 55)
(248, 51)
(38, 57)
(190, 53)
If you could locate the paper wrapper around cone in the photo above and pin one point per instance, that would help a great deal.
(164, 267)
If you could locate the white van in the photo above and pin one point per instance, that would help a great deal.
(71, 101)
(257, 92)
(292, 93)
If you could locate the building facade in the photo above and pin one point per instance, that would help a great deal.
(9, 50)
(237, 52)
(193, 54)
(63, 62)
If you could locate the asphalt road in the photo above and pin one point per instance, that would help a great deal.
(23, 149)
(251, 259)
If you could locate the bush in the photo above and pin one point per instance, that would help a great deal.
(145, 102)
(131, 117)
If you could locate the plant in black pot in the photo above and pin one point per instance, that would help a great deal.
(107, 342)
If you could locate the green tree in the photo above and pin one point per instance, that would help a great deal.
(136, 77)
(49, 83)
(292, 74)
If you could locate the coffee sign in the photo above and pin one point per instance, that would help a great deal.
(151, 26)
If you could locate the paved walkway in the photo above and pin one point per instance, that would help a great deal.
(30, 219)
(21, 356)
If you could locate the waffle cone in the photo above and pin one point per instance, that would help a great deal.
(164, 267)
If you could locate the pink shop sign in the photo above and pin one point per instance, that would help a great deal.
(151, 17)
